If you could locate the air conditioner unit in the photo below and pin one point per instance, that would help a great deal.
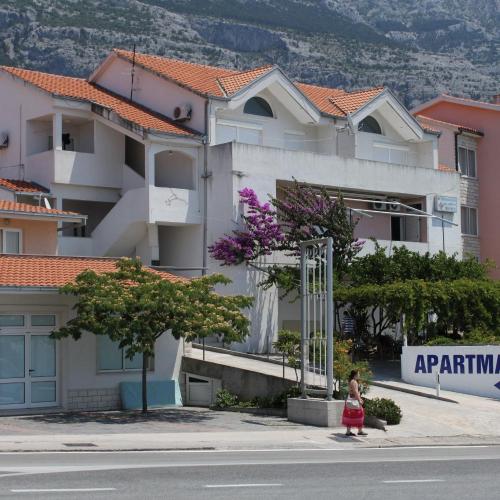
(393, 205)
(379, 205)
(4, 140)
(183, 113)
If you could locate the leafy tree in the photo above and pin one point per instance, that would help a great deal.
(288, 344)
(134, 306)
(298, 214)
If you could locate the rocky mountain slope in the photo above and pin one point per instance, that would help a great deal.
(416, 47)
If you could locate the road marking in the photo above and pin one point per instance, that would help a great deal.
(245, 485)
(63, 490)
(415, 481)
(246, 450)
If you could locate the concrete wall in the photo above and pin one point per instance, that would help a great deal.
(467, 369)
(244, 383)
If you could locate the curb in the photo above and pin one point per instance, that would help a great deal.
(412, 391)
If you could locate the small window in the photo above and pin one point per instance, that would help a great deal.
(258, 106)
(111, 358)
(370, 125)
(10, 241)
(467, 162)
(11, 320)
(43, 320)
(469, 221)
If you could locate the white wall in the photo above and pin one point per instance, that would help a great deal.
(77, 363)
(18, 101)
(152, 91)
(467, 369)
(273, 130)
(102, 169)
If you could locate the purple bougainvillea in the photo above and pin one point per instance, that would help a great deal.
(304, 213)
(261, 236)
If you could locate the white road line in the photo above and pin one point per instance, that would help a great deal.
(246, 450)
(397, 481)
(247, 485)
(63, 490)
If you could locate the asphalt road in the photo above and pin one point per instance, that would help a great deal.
(381, 473)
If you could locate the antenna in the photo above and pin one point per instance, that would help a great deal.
(132, 74)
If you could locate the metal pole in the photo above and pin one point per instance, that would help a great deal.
(329, 319)
(303, 315)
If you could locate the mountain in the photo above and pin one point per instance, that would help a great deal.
(418, 48)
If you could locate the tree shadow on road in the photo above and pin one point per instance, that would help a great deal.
(174, 416)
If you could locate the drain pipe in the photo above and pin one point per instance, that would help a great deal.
(205, 177)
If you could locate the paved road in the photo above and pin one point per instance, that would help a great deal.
(399, 473)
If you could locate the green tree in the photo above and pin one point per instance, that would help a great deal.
(134, 306)
(288, 344)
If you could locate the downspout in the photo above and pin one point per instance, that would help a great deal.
(205, 192)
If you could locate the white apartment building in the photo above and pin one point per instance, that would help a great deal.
(155, 150)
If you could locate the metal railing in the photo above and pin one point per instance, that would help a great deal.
(316, 295)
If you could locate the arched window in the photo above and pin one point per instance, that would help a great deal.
(258, 106)
(370, 125)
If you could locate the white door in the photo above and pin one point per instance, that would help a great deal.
(28, 361)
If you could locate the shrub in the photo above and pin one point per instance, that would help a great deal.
(224, 399)
(385, 409)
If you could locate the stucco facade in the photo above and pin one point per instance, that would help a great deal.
(473, 125)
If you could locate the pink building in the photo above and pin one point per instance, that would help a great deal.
(470, 144)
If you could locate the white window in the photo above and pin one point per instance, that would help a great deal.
(469, 221)
(247, 133)
(111, 358)
(467, 162)
(294, 140)
(11, 240)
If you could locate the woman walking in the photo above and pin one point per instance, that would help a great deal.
(354, 414)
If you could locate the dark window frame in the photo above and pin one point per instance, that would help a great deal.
(258, 106)
(370, 125)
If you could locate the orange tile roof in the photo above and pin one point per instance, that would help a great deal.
(22, 186)
(78, 88)
(231, 84)
(197, 77)
(200, 78)
(320, 96)
(337, 102)
(25, 208)
(459, 127)
(54, 271)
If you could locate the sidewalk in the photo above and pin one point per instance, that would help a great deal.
(426, 422)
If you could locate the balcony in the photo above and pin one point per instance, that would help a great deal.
(262, 165)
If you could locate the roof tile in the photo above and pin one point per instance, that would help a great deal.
(54, 271)
(197, 77)
(337, 102)
(22, 186)
(25, 208)
(78, 88)
(233, 83)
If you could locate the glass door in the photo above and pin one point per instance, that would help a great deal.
(42, 370)
(12, 370)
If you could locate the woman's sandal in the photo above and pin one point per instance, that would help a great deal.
(362, 433)
(348, 434)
